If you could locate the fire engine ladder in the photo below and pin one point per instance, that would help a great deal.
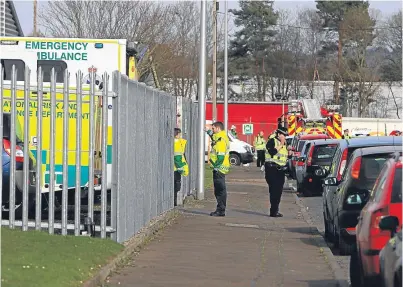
(311, 109)
(311, 106)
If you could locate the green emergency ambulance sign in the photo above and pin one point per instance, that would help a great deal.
(247, 129)
(58, 51)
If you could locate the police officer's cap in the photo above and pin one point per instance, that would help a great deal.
(283, 131)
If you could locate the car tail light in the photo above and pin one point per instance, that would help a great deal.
(19, 154)
(377, 216)
(342, 164)
(355, 170)
(310, 154)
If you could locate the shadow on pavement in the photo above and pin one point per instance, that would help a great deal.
(303, 230)
(197, 212)
(322, 283)
(250, 212)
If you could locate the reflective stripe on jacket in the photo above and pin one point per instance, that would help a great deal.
(280, 157)
(179, 156)
(221, 148)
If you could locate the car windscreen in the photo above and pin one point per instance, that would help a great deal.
(289, 140)
(397, 187)
(300, 145)
(371, 166)
(323, 154)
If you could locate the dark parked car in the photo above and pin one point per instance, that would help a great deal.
(353, 192)
(19, 173)
(296, 146)
(390, 260)
(340, 161)
(319, 154)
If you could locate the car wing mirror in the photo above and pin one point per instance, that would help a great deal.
(331, 181)
(389, 223)
(321, 172)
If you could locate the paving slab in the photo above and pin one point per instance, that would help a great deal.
(245, 248)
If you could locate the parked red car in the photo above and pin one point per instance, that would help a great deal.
(385, 201)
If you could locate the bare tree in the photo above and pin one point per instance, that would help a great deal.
(358, 35)
(311, 39)
(141, 21)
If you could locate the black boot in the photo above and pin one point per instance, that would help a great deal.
(217, 213)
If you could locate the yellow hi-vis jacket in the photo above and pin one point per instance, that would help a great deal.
(281, 157)
(180, 163)
(260, 143)
(219, 157)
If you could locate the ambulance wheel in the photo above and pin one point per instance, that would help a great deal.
(234, 159)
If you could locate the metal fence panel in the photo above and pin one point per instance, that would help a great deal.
(80, 137)
(189, 124)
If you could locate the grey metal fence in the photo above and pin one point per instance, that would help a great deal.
(189, 126)
(87, 161)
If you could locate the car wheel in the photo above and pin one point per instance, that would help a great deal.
(355, 270)
(234, 159)
(306, 192)
(344, 247)
(328, 237)
(335, 236)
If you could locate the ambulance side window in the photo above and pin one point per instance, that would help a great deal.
(8, 67)
(60, 67)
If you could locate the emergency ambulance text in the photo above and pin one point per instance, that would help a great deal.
(75, 51)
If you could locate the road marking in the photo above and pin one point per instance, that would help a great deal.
(241, 225)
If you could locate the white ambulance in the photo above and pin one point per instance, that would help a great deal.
(85, 55)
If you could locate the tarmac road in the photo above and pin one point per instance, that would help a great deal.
(314, 208)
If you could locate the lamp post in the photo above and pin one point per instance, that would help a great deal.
(202, 100)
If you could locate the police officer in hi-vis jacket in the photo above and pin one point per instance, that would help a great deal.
(276, 160)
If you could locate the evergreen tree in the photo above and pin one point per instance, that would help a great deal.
(252, 42)
(332, 14)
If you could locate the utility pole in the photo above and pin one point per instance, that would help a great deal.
(202, 101)
(35, 13)
(214, 94)
(226, 66)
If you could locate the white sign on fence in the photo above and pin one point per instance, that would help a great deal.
(247, 129)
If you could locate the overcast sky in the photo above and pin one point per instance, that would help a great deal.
(25, 9)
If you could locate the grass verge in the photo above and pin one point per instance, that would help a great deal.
(36, 258)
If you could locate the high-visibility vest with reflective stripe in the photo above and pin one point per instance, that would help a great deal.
(272, 136)
(179, 150)
(260, 143)
(280, 157)
(220, 149)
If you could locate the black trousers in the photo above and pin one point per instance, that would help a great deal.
(260, 158)
(177, 186)
(220, 191)
(275, 179)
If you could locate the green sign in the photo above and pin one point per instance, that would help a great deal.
(59, 51)
(247, 129)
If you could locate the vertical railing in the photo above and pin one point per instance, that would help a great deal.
(53, 124)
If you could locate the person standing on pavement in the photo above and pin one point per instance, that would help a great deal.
(346, 136)
(276, 160)
(219, 161)
(260, 145)
(181, 167)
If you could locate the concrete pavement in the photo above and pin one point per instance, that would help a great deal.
(245, 248)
